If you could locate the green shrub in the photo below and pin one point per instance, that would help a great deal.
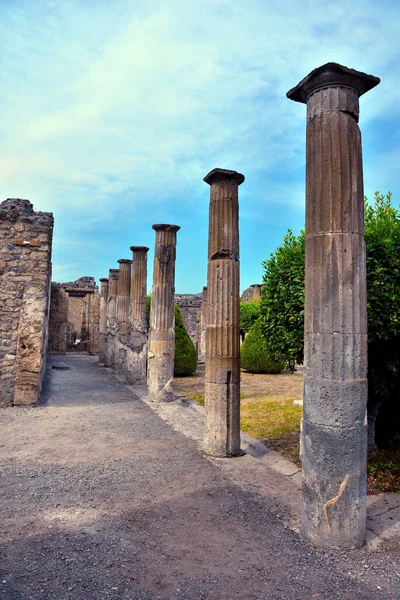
(249, 313)
(254, 356)
(185, 350)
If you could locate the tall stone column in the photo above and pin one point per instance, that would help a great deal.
(334, 431)
(136, 353)
(203, 324)
(124, 290)
(222, 379)
(111, 318)
(160, 370)
(103, 319)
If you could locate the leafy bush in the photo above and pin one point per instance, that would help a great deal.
(254, 356)
(282, 300)
(185, 350)
(249, 313)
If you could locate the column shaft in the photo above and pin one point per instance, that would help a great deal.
(136, 356)
(124, 286)
(103, 319)
(111, 318)
(160, 370)
(334, 430)
(222, 379)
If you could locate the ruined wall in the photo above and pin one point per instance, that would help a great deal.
(79, 319)
(252, 293)
(25, 272)
(58, 325)
(190, 305)
(75, 309)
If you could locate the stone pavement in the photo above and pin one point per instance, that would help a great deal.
(264, 469)
(102, 499)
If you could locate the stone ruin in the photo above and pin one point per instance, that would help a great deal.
(25, 274)
(334, 431)
(74, 316)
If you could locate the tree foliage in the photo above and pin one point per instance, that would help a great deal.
(254, 356)
(382, 239)
(249, 313)
(282, 307)
(282, 300)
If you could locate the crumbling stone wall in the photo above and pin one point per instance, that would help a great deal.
(75, 315)
(25, 272)
(58, 324)
(252, 293)
(190, 305)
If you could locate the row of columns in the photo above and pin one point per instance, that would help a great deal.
(123, 340)
(334, 437)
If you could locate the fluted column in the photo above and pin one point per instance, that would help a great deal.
(203, 324)
(111, 318)
(222, 379)
(136, 353)
(334, 431)
(160, 370)
(103, 319)
(124, 288)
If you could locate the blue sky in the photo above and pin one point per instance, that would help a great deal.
(114, 111)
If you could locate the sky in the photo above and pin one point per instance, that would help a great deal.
(113, 111)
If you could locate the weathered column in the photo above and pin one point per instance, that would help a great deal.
(160, 371)
(203, 324)
(124, 289)
(103, 319)
(136, 353)
(111, 317)
(334, 432)
(94, 322)
(222, 379)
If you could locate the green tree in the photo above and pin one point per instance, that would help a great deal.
(282, 300)
(254, 356)
(382, 239)
(249, 313)
(282, 309)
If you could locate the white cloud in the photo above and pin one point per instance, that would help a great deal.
(136, 101)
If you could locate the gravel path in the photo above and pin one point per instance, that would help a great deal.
(101, 499)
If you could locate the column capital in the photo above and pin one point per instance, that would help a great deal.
(165, 227)
(139, 248)
(121, 261)
(113, 273)
(217, 175)
(104, 279)
(332, 75)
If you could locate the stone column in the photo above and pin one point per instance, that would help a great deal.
(124, 289)
(103, 319)
(334, 431)
(203, 324)
(94, 322)
(136, 353)
(222, 379)
(111, 317)
(160, 371)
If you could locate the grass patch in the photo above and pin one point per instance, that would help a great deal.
(198, 397)
(275, 422)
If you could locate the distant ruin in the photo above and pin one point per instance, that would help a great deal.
(74, 316)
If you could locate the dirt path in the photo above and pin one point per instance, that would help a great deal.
(101, 499)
